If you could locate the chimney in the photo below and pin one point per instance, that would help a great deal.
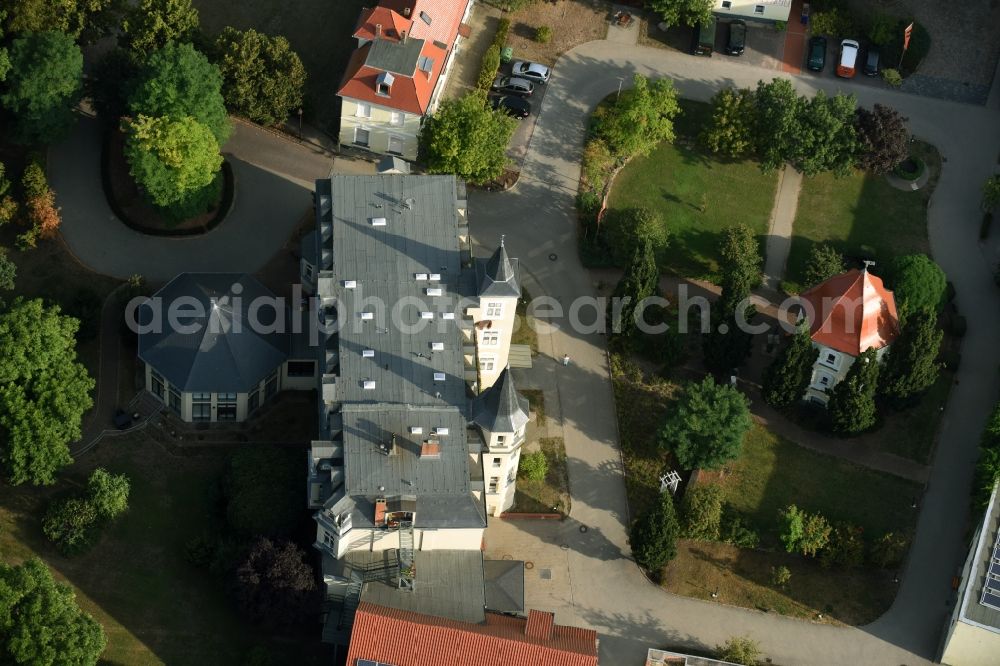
(402, 36)
(380, 506)
(430, 450)
(378, 30)
(406, 12)
(539, 626)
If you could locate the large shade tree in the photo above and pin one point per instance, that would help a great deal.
(262, 76)
(682, 12)
(73, 17)
(728, 343)
(275, 586)
(730, 132)
(44, 391)
(706, 427)
(466, 138)
(777, 121)
(641, 118)
(823, 263)
(911, 365)
(44, 84)
(152, 24)
(825, 139)
(40, 621)
(883, 138)
(918, 283)
(178, 81)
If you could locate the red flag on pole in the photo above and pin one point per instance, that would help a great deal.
(906, 36)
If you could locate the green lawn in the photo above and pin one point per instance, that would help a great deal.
(318, 30)
(772, 473)
(696, 195)
(155, 607)
(861, 214)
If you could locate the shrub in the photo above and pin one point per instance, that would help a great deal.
(892, 77)
(920, 44)
(736, 532)
(701, 512)
(34, 184)
(108, 493)
(533, 466)
(491, 63)
(653, 535)
(792, 527)
(69, 524)
(779, 26)
(780, 576)
(8, 271)
(880, 28)
(43, 215)
(543, 34)
(846, 548)
(740, 650)
(888, 551)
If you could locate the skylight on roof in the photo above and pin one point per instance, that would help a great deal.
(447, 315)
(378, 221)
(367, 315)
(427, 315)
(437, 346)
(439, 376)
(425, 17)
(367, 353)
(440, 431)
(369, 385)
(435, 277)
(350, 284)
(416, 430)
(420, 277)
(434, 291)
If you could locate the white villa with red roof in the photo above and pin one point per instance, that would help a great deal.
(848, 314)
(396, 75)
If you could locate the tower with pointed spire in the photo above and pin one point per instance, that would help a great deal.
(498, 289)
(500, 414)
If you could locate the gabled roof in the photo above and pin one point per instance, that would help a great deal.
(405, 638)
(221, 353)
(393, 24)
(416, 63)
(444, 18)
(498, 275)
(852, 313)
(501, 408)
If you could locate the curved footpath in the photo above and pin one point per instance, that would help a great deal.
(606, 589)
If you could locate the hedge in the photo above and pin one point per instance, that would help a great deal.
(491, 59)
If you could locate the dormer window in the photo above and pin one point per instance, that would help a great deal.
(425, 17)
(383, 84)
(425, 64)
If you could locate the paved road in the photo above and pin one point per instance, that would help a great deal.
(270, 202)
(605, 590)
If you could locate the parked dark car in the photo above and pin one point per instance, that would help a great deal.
(515, 107)
(737, 38)
(513, 86)
(704, 38)
(872, 61)
(817, 54)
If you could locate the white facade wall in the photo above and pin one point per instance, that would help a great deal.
(764, 10)
(830, 369)
(500, 469)
(969, 645)
(384, 126)
(493, 343)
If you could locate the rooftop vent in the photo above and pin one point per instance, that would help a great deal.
(378, 221)
(430, 451)
(434, 291)
(437, 346)
(439, 376)
(367, 353)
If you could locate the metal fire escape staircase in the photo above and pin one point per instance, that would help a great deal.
(407, 568)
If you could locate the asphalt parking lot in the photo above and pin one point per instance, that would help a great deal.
(518, 146)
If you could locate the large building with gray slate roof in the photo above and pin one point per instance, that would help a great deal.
(409, 415)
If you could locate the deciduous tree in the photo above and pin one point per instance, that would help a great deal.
(911, 365)
(40, 621)
(641, 118)
(825, 139)
(815, 534)
(851, 408)
(152, 24)
(777, 122)
(8, 271)
(274, 585)
(731, 130)
(786, 380)
(918, 284)
(44, 391)
(627, 229)
(468, 139)
(823, 263)
(177, 81)
(740, 650)
(706, 427)
(792, 520)
(70, 524)
(43, 86)
(262, 76)
(682, 12)
(653, 535)
(72, 17)
(883, 138)
(172, 159)
(640, 281)
(108, 493)
(728, 343)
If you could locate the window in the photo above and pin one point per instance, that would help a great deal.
(758, 9)
(396, 118)
(425, 17)
(494, 310)
(253, 402)
(383, 84)
(308, 272)
(271, 387)
(497, 462)
(831, 359)
(226, 410)
(726, 4)
(157, 384)
(491, 338)
(487, 363)
(363, 111)
(501, 439)
(494, 482)
(329, 539)
(175, 400)
(395, 145)
(201, 406)
(361, 137)
(301, 368)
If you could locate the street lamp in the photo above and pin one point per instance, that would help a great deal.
(300, 123)
(621, 79)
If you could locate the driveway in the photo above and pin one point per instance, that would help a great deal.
(273, 191)
(600, 586)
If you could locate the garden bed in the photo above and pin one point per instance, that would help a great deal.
(551, 494)
(573, 22)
